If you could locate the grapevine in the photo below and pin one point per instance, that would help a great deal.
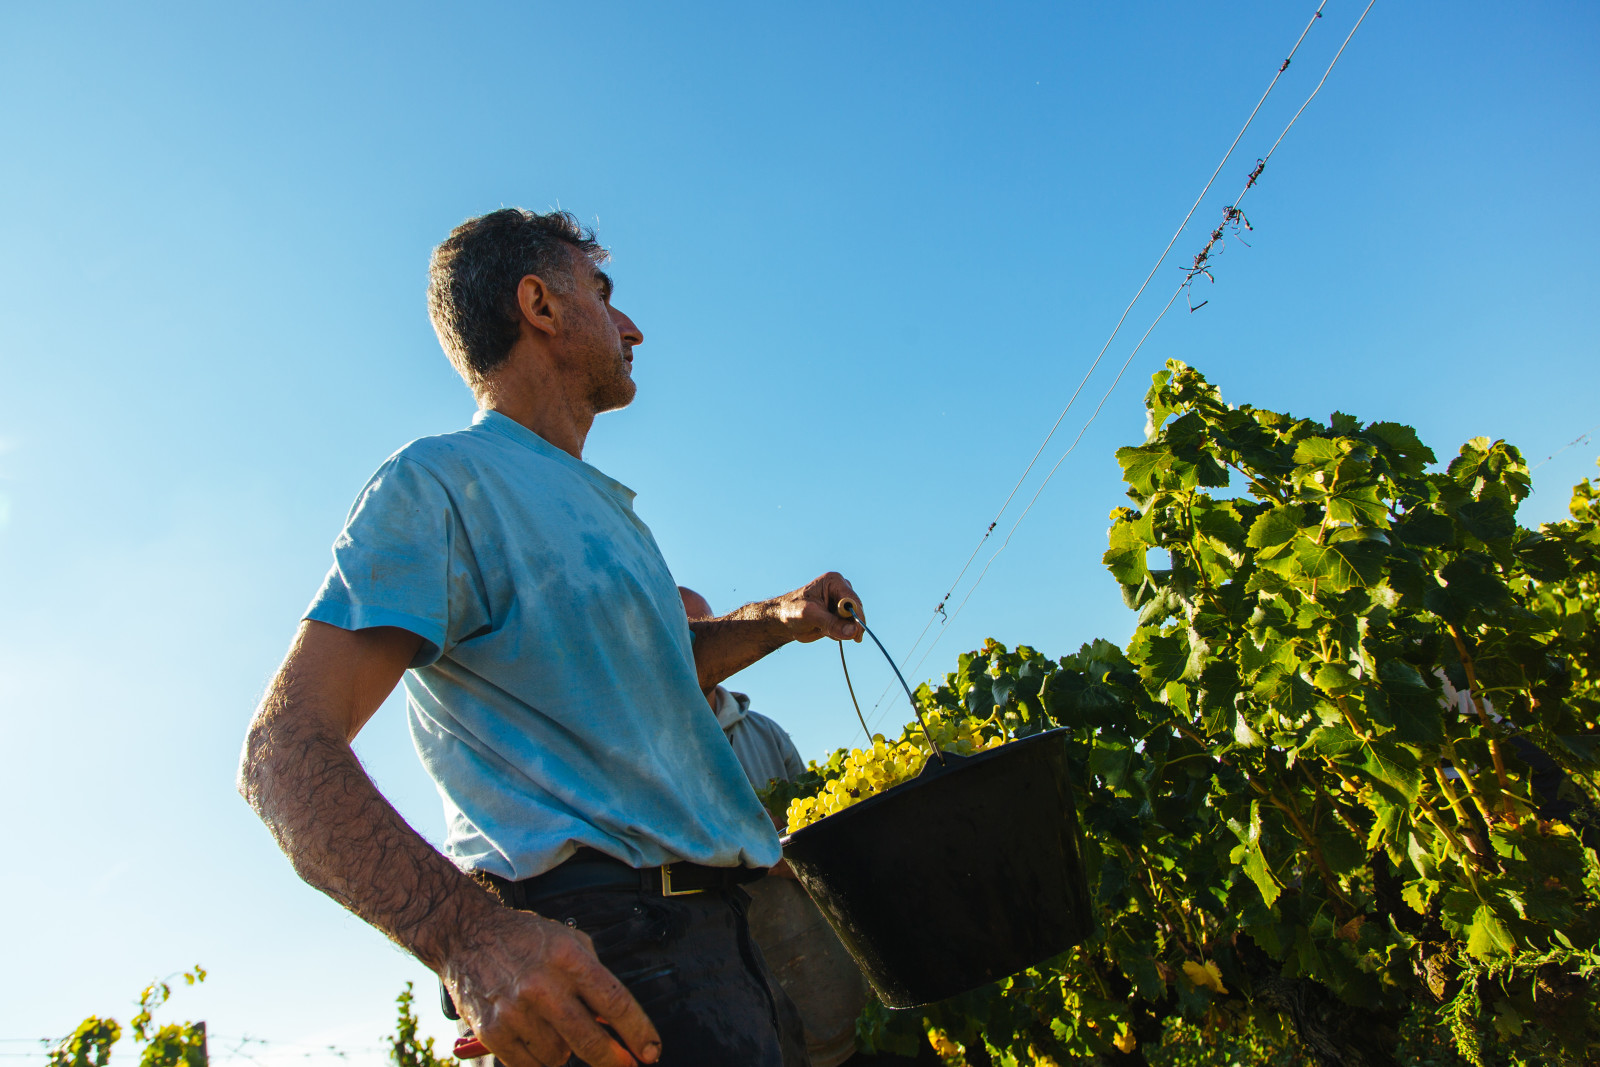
(1340, 785)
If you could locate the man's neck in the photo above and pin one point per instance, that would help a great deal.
(542, 406)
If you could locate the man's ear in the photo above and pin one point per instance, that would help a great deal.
(536, 301)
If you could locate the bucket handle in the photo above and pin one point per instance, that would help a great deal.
(851, 610)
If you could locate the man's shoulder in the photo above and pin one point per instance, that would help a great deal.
(754, 716)
(764, 723)
(764, 748)
(446, 449)
(462, 458)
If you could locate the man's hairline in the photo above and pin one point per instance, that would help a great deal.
(594, 257)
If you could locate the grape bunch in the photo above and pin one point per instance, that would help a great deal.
(868, 772)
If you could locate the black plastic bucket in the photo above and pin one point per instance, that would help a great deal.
(970, 872)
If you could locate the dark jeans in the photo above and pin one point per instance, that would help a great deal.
(690, 963)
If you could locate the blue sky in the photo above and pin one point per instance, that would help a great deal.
(872, 248)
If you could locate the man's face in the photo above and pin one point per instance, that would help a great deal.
(600, 338)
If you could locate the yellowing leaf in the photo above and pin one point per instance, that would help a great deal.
(1205, 974)
(942, 1044)
(1125, 1041)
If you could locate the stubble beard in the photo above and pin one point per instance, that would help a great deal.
(601, 355)
(614, 388)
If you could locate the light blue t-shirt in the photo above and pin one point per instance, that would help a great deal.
(554, 700)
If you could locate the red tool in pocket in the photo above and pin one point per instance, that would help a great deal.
(468, 1048)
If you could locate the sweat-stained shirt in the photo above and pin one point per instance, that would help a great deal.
(554, 700)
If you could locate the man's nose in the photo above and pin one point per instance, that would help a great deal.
(625, 327)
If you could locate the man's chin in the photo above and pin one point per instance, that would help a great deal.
(615, 395)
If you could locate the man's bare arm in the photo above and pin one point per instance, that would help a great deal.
(530, 987)
(727, 645)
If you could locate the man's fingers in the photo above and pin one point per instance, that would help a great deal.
(841, 589)
(594, 1045)
(816, 622)
(531, 1044)
(610, 1000)
(542, 1015)
(549, 1055)
(835, 589)
(812, 612)
(586, 990)
(839, 628)
(580, 1030)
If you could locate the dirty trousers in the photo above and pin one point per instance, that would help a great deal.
(691, 964)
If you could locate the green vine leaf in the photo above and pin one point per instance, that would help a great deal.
(1277, 526)
(1341, 565)
(1487, 936)
(1273, 789)
(1394, 768)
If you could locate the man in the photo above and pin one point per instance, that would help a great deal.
(554, 695)
(805, 955)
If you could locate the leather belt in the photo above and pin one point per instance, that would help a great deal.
(591, 870)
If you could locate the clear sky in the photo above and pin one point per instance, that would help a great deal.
(872, 248)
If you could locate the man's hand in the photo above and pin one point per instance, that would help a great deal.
(812, 611)
(728, 645)
(533, 991)
(533, 985)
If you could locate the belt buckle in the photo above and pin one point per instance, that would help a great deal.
(666, 884)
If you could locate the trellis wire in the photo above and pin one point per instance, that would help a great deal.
(1582, 437)
(1230, 213)
(939, 608)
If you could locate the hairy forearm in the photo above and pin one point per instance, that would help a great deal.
(344, 838)
(725, 646)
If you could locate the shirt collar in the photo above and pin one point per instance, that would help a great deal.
(731, 707)
(506, 426)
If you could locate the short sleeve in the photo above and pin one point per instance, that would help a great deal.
(392, 560)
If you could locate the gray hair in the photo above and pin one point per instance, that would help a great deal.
(473, 277)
